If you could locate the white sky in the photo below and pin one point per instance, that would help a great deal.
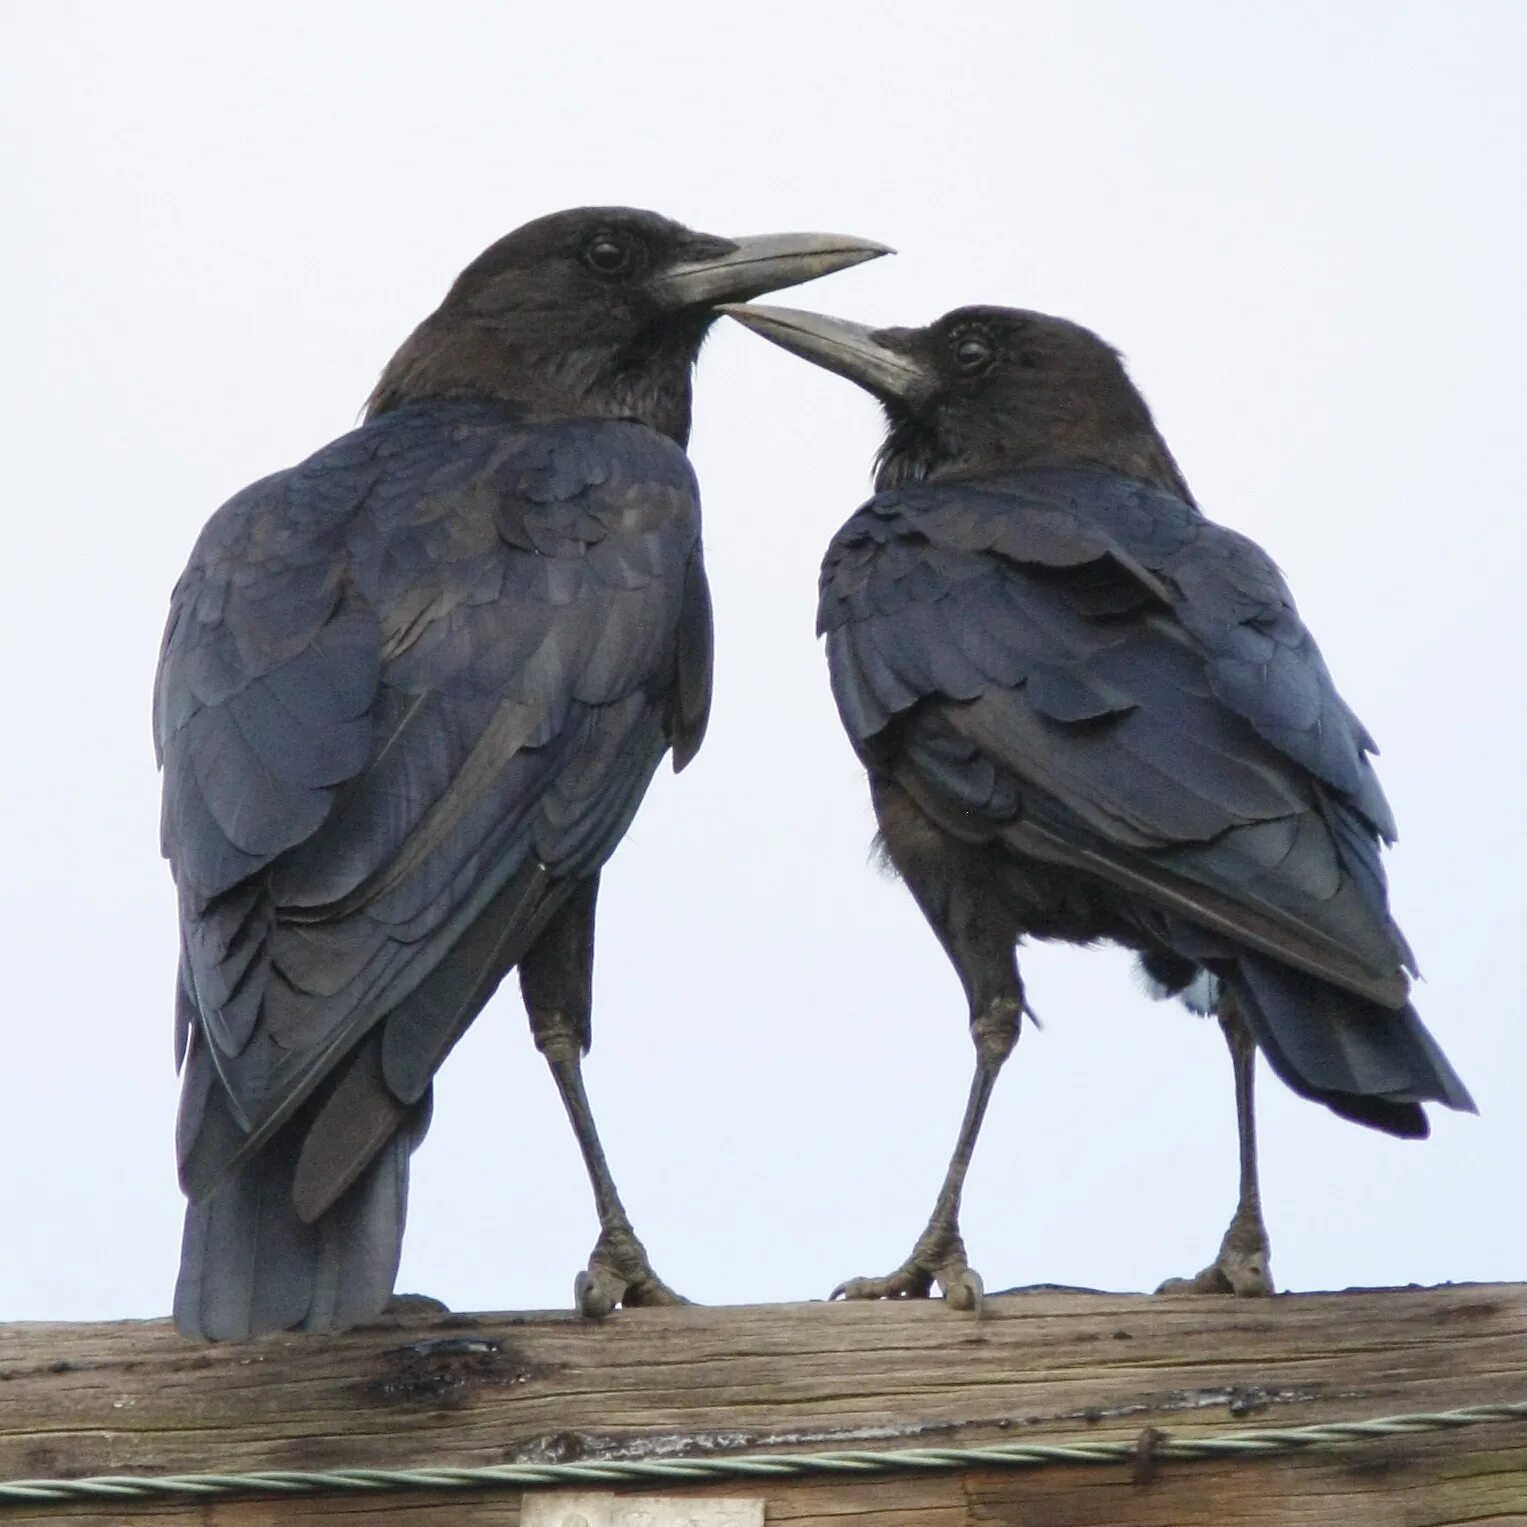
(1304, 225)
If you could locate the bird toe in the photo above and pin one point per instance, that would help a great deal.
(402, 1305)
(962, 1287)
(651, 1292)
(1245, 1277)
(907, 1282)
(597, 1291)
(619, 1274)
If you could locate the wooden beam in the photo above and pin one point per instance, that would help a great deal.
(131, 1397)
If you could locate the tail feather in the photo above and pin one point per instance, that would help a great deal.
(1367, 1062)
(305, 1229)
(250, 1265)
(360, 1241)
(246, 1260)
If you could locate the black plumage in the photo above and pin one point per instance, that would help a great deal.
(1088, 713)
(411, 694)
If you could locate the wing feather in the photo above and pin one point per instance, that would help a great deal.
(1136, 695)
(419, 682)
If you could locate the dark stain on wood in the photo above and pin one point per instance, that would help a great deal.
(1480, 1309)
(447, 1372)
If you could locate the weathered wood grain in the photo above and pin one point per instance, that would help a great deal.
(132, 1397)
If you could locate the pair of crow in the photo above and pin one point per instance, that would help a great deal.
(413, 689)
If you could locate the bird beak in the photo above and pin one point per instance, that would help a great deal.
(764, 263)
(850, 349)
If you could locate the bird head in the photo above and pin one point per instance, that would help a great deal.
(597, 312)
(984, 390)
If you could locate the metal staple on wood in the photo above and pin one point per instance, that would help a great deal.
(527, 1476)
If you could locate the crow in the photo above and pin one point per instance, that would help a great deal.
(411, 693)
(1090, 714)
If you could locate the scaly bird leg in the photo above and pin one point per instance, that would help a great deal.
(955, 885)
(939, 1255)
(618, 1270)
(556, 977)
(1244, 1263)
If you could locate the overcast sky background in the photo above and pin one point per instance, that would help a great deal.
(1303, 224)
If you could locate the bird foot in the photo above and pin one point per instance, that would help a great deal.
(400, 1305)
(619, 1274)
(1243, 1266)
(938, 1257)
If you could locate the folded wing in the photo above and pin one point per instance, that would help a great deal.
(1086, 667)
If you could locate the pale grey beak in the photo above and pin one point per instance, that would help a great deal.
(851, 349)
(762, 263)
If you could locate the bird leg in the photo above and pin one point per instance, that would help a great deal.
(1243, 1265)
(618, 1271)
(939, 1255)
(556, 977)
(953, 883)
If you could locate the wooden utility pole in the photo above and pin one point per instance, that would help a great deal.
(468, 1390)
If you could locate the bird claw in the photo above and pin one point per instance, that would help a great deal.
(939, 1257)
(907, 1282)
(402, 1305)
(619, 1274)
(1247, 1282)
(1243, 1267)
(962, 1288)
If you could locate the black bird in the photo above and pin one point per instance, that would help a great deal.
(1090, 714)
(411, 693)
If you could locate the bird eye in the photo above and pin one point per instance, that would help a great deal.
(610, 254)
(972, 353)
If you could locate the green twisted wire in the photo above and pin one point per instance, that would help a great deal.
(743, 1466)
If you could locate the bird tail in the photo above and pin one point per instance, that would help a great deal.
(1366, 1062)
(249, 1264)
